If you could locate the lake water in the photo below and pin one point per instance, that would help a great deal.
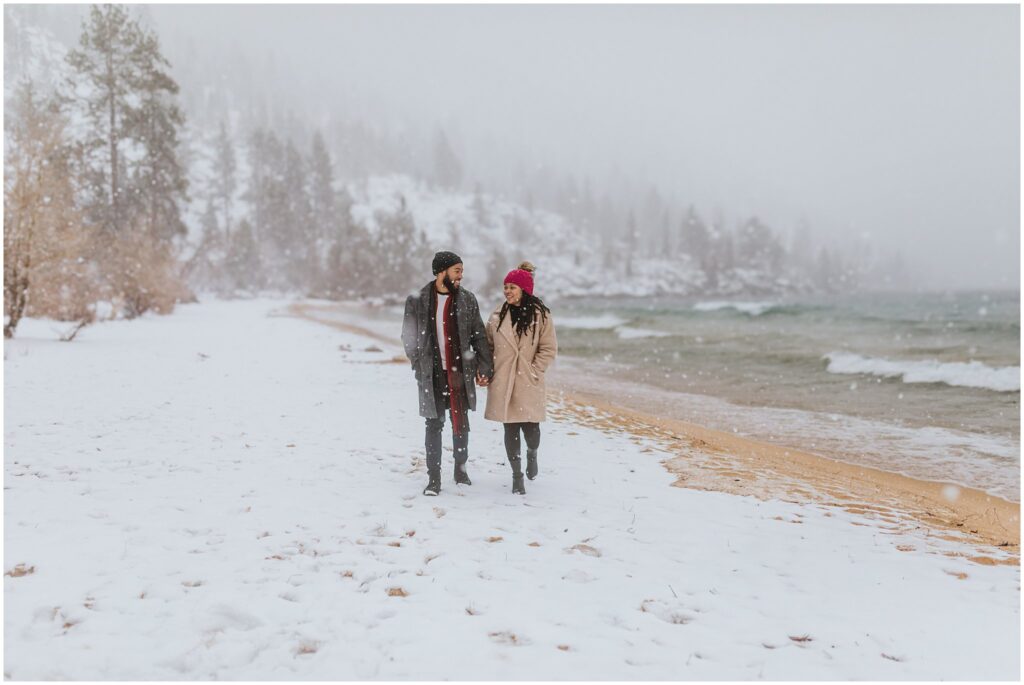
(922, 384)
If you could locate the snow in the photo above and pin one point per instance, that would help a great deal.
(970, 374)
(233, 493)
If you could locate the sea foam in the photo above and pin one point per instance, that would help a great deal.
(972, 374)
(751, 308)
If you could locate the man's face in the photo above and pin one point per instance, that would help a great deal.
(453, 277)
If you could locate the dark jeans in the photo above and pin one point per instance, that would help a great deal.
(433, 444)
(530, 430)
(436, 426)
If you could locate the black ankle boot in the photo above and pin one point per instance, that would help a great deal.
(433, 488)
(531, 464)
(461, 477)
(517, 477)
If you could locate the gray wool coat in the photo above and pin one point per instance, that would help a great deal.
(420, 346)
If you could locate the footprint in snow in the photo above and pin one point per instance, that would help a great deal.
(669, 612)
(584, 549)
(506, 637)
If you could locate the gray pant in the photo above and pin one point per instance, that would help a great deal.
(433, 445)
(434, 428)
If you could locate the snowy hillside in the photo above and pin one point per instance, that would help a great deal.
(494, 234)
(491, 232)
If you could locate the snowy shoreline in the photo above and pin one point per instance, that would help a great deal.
(233, 493)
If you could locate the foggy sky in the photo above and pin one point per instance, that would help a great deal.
(899, 122)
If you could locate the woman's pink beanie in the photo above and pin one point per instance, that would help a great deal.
(522, 278)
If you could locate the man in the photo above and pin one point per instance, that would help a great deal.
(445, 341)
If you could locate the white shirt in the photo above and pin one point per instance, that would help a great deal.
(441, 342)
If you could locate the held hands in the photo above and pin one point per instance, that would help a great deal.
(482, 381)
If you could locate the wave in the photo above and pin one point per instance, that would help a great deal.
(972, 374)
(750, 308)
(628, 333)
(591, 323)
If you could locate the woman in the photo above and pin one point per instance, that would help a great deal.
(522, 336)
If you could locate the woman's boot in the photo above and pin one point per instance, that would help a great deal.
(517, 476)
(531, 464)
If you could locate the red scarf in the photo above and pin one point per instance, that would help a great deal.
(456, 392)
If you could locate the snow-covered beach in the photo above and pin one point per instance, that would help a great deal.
(233, 492)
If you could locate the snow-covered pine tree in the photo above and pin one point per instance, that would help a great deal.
(326, 222)
(259, 181)
(757, 247)
(295, 232)
(399, 255)
(243, 258)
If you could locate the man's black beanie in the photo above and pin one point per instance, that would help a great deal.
(445, 260)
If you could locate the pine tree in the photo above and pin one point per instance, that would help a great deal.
(295, 232)
(243, 259)
(266, 197)
(159, 180)
(202, 267)
(128, 98)
(259, 182)
(224, 181)
(398, 254)
(696, 239)
(632, 241)
(757, 247)
(327, 225)
(106, 69)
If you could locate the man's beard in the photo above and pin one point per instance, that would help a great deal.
(449, 284)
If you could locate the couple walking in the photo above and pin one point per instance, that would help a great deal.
(450, 349)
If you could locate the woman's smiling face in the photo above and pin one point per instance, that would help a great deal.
(513, 294)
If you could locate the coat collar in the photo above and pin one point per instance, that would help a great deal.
(507, 332)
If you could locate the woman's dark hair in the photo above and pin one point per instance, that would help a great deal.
(529, 307)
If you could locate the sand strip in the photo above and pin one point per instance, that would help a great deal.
(706, 459)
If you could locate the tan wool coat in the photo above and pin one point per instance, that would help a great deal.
(517, 393)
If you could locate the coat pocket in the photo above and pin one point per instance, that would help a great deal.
(536, 375)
